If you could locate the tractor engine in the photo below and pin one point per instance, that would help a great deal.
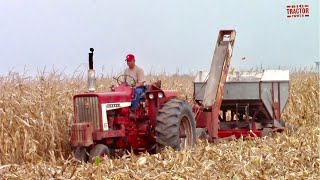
(104, 118)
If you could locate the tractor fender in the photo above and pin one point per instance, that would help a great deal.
(170, 93)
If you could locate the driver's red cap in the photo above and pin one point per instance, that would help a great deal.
(130, 57)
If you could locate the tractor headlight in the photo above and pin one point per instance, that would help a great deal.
(151, 96)
(160, 95)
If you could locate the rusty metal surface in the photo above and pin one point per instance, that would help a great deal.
(87, 110)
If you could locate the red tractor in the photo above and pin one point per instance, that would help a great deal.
(103, 124)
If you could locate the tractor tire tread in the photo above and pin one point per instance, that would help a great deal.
(98, 150)
(168, 123)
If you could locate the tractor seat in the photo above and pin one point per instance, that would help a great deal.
(143, 95)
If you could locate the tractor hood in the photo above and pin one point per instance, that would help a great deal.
(122, 93)
(109, 97)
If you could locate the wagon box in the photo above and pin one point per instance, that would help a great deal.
(251, 100)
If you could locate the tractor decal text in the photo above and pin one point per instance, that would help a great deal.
(110, 106)
(113, 105)
(297, 11)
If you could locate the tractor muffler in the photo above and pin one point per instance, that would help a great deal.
(91, 73)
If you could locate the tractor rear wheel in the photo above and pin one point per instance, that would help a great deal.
(81, 154)
(175, 125)
(99, 150)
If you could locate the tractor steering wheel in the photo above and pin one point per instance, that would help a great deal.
(132, 80)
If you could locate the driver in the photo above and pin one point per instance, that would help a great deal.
(138, 74)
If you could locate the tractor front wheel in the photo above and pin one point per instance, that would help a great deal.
(175, 125)
(81, 154)
(99, 150)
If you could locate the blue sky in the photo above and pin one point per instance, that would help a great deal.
(164, 35)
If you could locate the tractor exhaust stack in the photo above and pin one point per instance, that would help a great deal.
(91, 73)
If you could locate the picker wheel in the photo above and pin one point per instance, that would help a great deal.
(290, 129)
(81, 154)
(99, 150)
(201, 134)
(283, 124)
(175, 125)
(266, 132)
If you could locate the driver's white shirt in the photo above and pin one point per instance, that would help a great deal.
(136, 72)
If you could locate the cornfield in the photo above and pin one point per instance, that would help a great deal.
(36, 115)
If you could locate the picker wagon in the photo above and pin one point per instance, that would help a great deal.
(251, 105)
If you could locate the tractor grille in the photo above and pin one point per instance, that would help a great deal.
(87, 110)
